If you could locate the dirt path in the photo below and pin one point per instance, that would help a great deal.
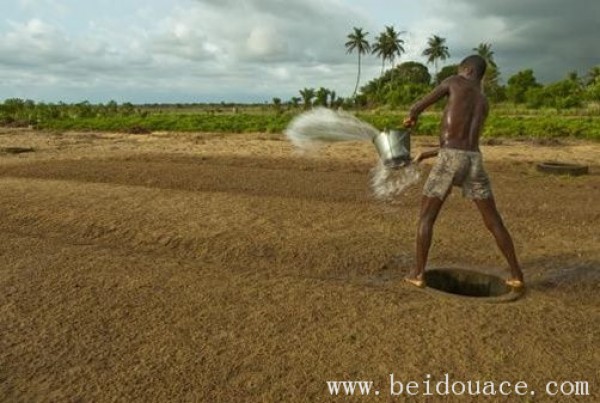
(198, 267)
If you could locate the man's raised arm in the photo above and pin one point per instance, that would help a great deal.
(428, 100)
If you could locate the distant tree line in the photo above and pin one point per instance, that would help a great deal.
(402, 84)
(19, 112)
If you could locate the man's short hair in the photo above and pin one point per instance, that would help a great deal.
(477, 63)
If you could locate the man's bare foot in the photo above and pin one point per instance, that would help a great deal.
(515, 283)
(416, 281)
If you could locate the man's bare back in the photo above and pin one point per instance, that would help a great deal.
(464, 115)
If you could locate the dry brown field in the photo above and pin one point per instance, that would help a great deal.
(229, 268)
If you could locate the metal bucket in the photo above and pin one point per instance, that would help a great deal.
(393, 147)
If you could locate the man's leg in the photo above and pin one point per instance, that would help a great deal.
(430, 208)
(493, 222)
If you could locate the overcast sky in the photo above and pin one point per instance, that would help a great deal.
(253, 50)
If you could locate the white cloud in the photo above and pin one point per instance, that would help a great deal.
(196, 50)
(52, 5)
(178, 50)
(280, 73)
(34, 42)
(263, 43)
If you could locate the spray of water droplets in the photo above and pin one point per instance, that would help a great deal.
(388, 183)
(311, 130)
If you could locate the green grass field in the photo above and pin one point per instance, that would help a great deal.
(536, 126)
(506, 120)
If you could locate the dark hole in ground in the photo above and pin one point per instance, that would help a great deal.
(16, 150)
(466, 282)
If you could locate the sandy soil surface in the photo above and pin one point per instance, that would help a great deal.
(229, 268)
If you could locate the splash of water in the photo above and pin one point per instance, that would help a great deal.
(311, 130)
(388, 183)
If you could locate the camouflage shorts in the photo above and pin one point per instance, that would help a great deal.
(458, 168)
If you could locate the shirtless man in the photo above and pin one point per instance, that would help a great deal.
(460, 164)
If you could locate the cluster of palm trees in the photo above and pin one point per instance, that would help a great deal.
(317, 97)
(388, 45)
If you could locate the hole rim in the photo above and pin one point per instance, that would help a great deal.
(510, 295)
(562, 168)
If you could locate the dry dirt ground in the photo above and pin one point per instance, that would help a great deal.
(228, 268)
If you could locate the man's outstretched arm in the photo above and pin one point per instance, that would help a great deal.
(428, 100)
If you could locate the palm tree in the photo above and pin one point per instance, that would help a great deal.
(380, 49)
(321, 96)
(357, 40)
(574, 77)
(395, 45)
(593, 75)
(485, 50)
(437, 50)
(307, 95)
(490, 80)
(388, 45)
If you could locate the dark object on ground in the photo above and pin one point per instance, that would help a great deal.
(138, 130)
(10, 122)
(561, 168)
(16, 150)
(541, 141)
(469, 283)
(492, 141)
